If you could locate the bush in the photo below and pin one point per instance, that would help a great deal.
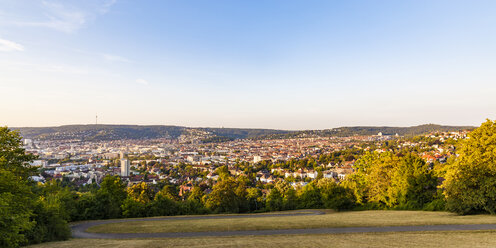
(50, 224)
(436, 205)
(337, 197)
(162, 205)
(132, 208)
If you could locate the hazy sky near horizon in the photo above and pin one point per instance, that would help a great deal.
(263, 64)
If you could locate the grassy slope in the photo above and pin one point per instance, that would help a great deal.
(404, 239)
(342, 219)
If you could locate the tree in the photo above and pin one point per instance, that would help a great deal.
(163, 204)
(288, 193)
(389, 180)
(16, 197)
(414, 183)
(471, 178)
(380, 179)
(224, 197)
(254, 198)
(275, 200)
(138, 198)
(140, 192)
(223, 172)
(16, 203)
(13, 157)
(196, 194)
(132, 208)
(372, 180)
(86, 207)
(110, 197)
(309, 196)
(62, 195)
(51, 220)
(335, 196)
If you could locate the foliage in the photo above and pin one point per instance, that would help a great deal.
(471, 178)
(15, 209)
(414, 182)
(13, 157)
(309, 196)
(110, 197)
(163, 204)
(274, 200)
(224, 197)
(51, 222)
(335, 196)
(391, 181)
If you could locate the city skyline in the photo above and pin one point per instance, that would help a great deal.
(279, 64)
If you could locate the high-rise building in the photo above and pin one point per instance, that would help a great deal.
(124, 167)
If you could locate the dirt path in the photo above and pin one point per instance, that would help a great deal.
(79, 229)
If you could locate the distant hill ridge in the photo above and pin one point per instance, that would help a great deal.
(373, 130)
(102, 132)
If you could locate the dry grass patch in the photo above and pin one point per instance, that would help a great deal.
(341, 219)
(399, 239)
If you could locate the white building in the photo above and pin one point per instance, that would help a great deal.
(28, 142)
(257, 159)
(124, 168)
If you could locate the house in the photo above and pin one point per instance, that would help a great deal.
(183, 189)
(300, 173)
(213, 176)
(329, 174)
(312, 174)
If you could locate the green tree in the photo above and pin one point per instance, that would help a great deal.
(335, 196)
(196, 194)
(224, 197)
(16, 197)
(132, 208)
(51, 220)
(110, 197)
(65, 198)
(289, 196)
(223, 172)
(140, 192)
(414, 182)
(86, 207)
(254, 198)
(388, 180)
(372, 180)
(163, 204)
(137, 202)
(309, 196)
(13, 157)
(471, 178)
(275, 200)
(16, 203)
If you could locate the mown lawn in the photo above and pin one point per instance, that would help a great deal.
(336, 219)
(398, 239)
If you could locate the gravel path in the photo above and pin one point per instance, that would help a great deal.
(79, 229)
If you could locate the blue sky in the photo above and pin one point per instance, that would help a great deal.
(268, 64)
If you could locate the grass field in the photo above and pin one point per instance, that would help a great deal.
(338, 219)
(399, 239)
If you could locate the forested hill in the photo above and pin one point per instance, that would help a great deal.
(370, 130)
(116, 132)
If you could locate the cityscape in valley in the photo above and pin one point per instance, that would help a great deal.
(193, 156)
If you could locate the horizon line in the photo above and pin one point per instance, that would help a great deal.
(224, 127)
